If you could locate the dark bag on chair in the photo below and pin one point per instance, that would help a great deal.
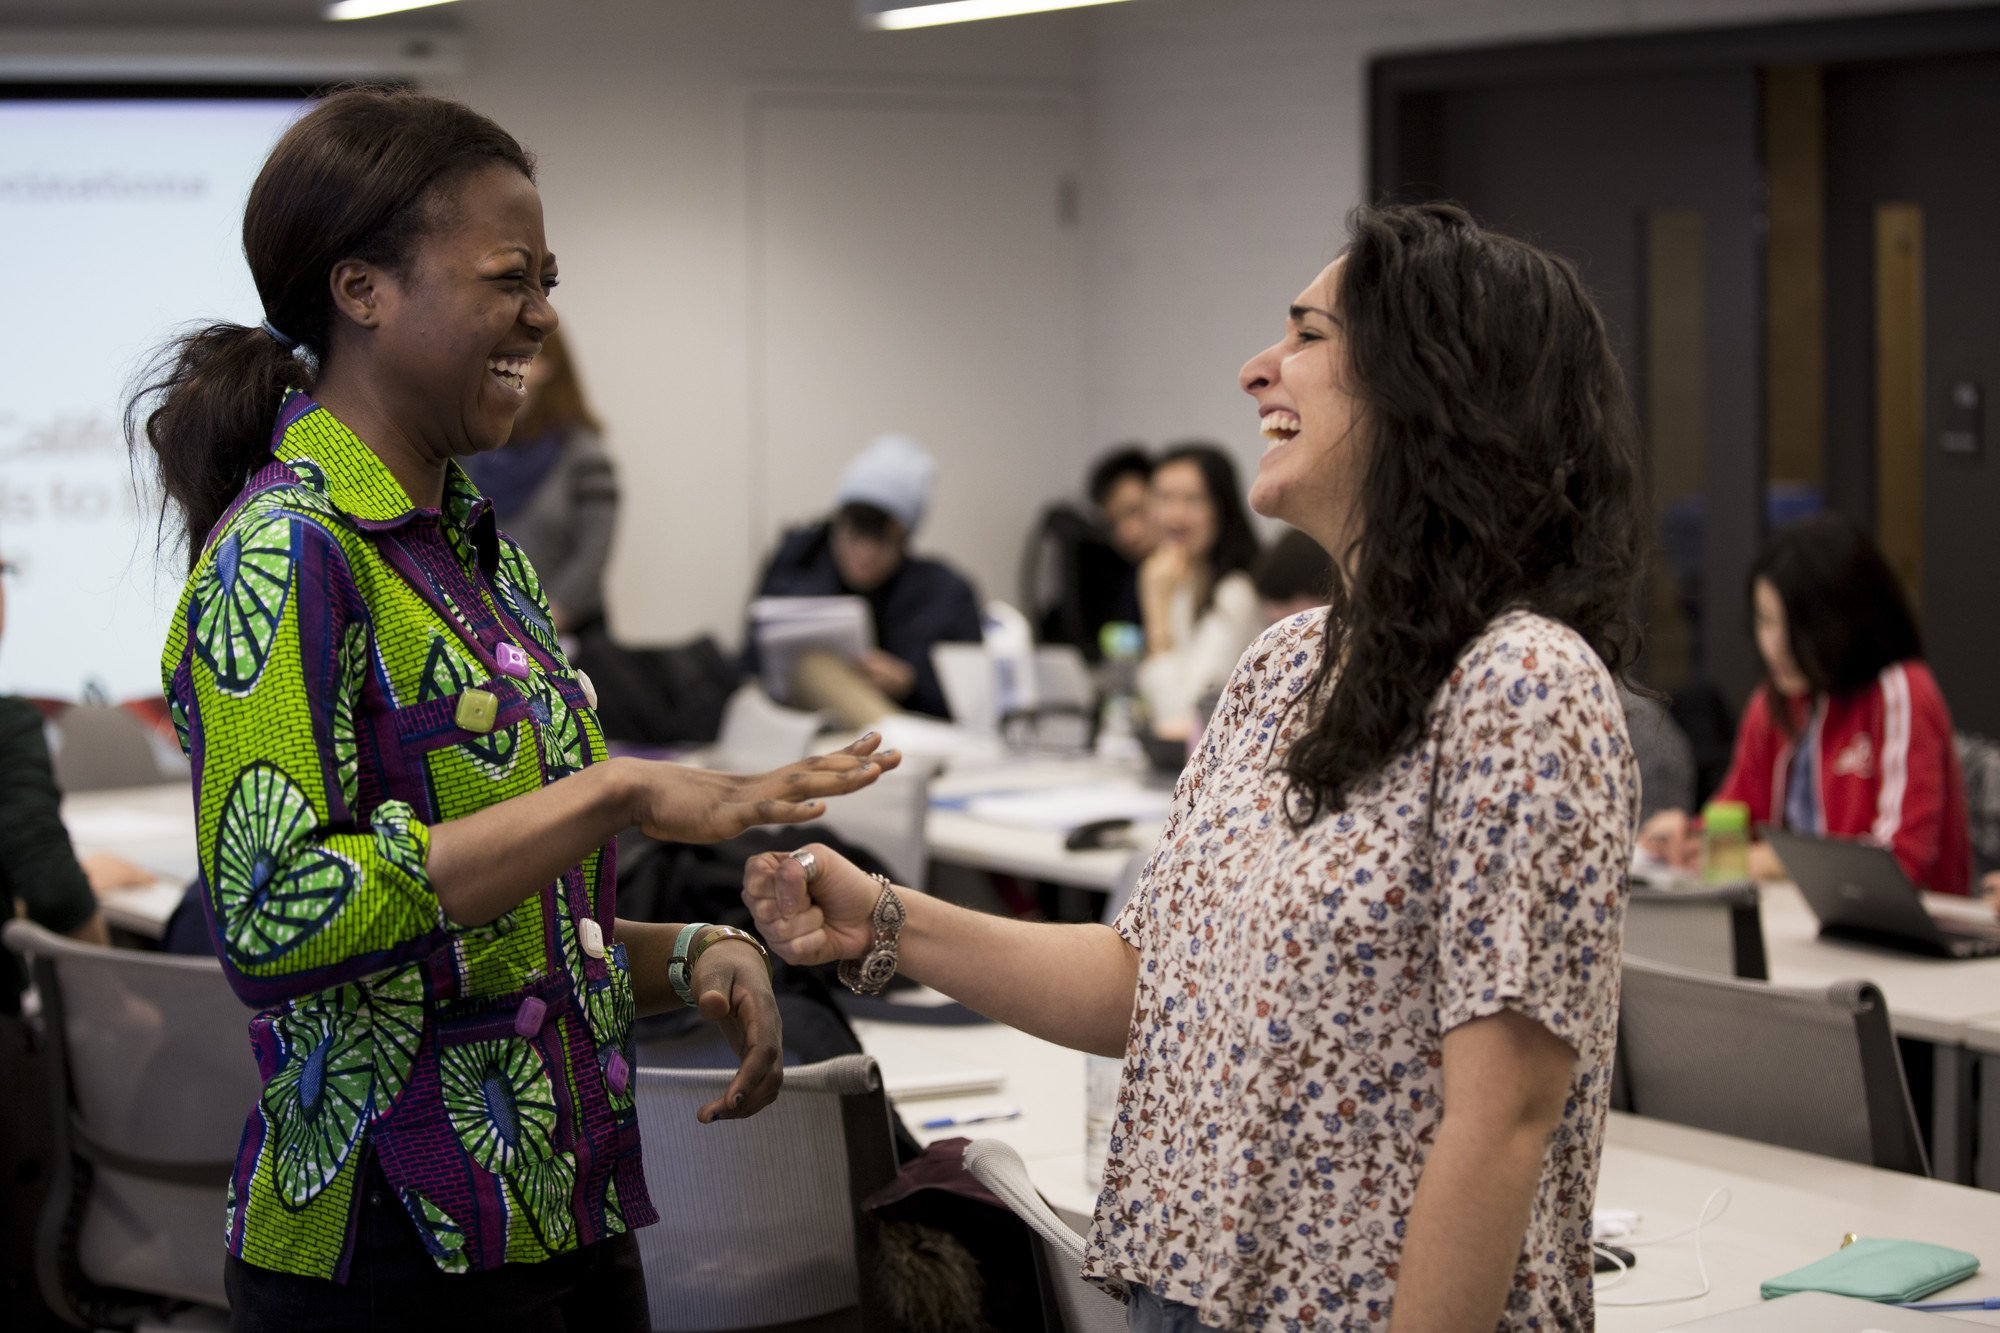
(672, 695)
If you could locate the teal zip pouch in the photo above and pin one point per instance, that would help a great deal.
(1878, 1270)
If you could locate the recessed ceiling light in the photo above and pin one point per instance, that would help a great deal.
(930, 13)
(368, 9)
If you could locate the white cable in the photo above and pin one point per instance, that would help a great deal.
(1701, 1220)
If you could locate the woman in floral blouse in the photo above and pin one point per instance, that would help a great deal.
(404, 804)
(1366, 989)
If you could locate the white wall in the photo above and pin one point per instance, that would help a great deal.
(1227, 138)
(1222, 142)
(638, 111)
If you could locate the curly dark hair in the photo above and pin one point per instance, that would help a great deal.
(1502, 472)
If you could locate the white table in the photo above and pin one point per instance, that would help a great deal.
(957, 838)
(1935, 1000)
(1785, 1208)
(151, 826)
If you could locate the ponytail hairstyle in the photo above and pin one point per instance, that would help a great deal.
(1502, 472)
(357, 177)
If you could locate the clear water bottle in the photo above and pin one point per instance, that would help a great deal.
(1100, 1111)
(1121, 716)
(1010, 644)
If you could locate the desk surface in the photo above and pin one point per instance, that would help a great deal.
(1785, 1208)
(962, 839)
(152, 826)
(1931, 998)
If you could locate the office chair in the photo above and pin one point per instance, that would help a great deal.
(1085, 1307)
(1710, 928)
(761, 1223)
(153, 1077)
(102, 746)
(1811, 1069)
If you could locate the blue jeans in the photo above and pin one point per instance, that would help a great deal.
(1149, 1314)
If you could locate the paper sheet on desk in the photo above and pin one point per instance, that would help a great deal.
(112, 827)
(1063, 808)
(924, 737)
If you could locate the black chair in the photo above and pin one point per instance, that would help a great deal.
(1816, 1070)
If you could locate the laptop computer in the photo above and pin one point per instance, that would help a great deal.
(1859, 893)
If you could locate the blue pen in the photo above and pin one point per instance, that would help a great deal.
(1990, 1303)
(983, 1118)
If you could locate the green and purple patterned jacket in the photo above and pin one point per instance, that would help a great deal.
(346, 670)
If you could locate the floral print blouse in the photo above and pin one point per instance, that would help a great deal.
(1282, 1081)
(345, 670)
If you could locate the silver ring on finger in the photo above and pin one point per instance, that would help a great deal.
(809, 862)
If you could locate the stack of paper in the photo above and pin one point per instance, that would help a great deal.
(787, 628)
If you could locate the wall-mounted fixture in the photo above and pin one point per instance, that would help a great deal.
(368, 9)
(930, 13)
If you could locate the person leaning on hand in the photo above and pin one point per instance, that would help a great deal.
(41, 876)
(1365, 990)
(404, 802)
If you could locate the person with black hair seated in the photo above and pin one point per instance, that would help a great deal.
(1848, 736)
(1195, 594)
(41, 876)
(1292, 575)
(1120, 493)
(863, 550)
(1082, 569)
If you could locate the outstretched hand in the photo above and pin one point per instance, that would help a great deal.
(805, 923)
(679, 804)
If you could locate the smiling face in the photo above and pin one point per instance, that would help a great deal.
(459, 325)
(1311, 472)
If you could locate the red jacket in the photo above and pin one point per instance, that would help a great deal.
(1885, 765)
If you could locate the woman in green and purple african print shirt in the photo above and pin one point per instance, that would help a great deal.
(404, 802)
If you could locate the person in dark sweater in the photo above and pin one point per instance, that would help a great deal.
(40, 874)
(863, 550)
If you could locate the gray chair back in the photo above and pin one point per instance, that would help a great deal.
(1709, 928)
(155, 1078)
(761, 1221)
(1816, 1070)
(1085, 1306)
(101, 746)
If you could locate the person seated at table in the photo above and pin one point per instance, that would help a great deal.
(863, 550)
(1365, 989)
(1292, 576)
(1082, 570)
(41, 876)
(1849, 735)
(1195, 596)
(554, 489)
(1121, 486)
